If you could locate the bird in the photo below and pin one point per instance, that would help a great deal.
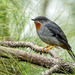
(50, 33)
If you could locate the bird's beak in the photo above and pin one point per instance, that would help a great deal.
(33, 19)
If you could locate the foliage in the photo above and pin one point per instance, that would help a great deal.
(16, 24)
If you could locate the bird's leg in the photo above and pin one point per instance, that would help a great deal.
(44, 48)
(49, 48)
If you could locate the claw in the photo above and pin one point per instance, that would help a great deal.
(44, 48)
(49, 48)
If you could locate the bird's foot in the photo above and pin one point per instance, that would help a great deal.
(44, 48)
(49, 48)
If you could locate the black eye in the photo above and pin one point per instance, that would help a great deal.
(40, 21)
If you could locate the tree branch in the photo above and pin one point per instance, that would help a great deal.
(53, 69)
(37, 59)
(56, 64)
(31, 45)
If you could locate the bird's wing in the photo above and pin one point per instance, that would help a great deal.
(57, 32)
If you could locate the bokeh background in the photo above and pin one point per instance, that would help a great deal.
(16, 25)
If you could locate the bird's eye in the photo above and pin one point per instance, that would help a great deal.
(40, 21)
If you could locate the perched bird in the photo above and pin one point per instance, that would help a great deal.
(50, 33)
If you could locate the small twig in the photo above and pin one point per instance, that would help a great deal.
(51, 70)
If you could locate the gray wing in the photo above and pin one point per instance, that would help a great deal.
(57, 32)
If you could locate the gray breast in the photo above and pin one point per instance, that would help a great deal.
(46, 36)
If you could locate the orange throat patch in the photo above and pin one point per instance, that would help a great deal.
(38, 25)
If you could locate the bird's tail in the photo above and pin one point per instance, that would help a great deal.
(71, 54)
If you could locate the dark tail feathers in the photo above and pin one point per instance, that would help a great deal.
(71, 54)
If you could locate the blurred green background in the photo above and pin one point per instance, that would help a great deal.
(16, 25)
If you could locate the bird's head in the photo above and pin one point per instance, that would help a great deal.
(39, 21)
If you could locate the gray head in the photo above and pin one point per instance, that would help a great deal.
(40, 19)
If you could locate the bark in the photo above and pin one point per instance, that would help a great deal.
(56, 64)
(27, 56)
(53, 69)
(38, 59)
(31, 45)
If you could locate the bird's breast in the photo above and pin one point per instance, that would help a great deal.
(47, 37)
(38, 25)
